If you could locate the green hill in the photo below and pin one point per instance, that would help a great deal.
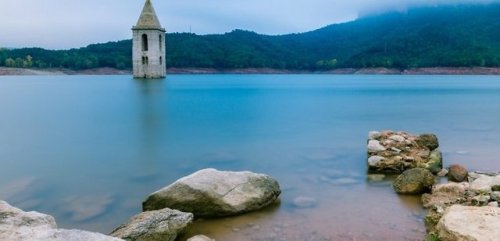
(444, 36)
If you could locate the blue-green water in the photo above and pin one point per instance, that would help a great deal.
(89, 149)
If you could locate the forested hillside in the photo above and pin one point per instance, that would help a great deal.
(446, 36)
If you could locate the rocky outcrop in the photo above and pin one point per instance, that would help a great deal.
(465, 193)
(17, 225)
(395, 152)
(414, 181)
(213, 193)
(462, 223)
(161, 225)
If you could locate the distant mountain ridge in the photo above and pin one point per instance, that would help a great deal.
(443, 36)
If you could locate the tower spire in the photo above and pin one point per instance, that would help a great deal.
(148, 18)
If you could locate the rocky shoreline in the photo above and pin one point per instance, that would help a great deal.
(208, 193)
(465, 208)
(4, 71)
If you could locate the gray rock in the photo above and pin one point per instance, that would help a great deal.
(474, 175)
(161, 225)
(79, 235)
(462, 223)
(484, 183)
(200, 238)
(17, 225)
(414, 181)
(493, 204)
(444, 195)
(481, 200)
(435, 162)
(375, 146)
(213, 193)
(442, 173)
(396, 150)
(397, 138)
(375, 160)
(373, 135)
(304, 202)
(495, 196)
(428, 140)
(457, 173)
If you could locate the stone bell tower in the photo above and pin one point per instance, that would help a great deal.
(148, 45)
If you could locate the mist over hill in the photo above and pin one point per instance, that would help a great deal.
(439, 36)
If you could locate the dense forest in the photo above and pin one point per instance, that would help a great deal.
(445, 36)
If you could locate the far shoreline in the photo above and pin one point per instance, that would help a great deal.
(5, 71)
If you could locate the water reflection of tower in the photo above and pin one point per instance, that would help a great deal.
(151, 126)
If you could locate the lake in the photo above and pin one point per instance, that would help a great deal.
(89, 149)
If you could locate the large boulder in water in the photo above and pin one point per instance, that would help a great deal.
(160, 225)
(463, 223)
(17, 225)
(414, 181)
(213, 193)
(395, 152)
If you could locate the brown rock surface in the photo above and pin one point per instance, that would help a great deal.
(457, 173)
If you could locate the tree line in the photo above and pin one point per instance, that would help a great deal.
(446, 36)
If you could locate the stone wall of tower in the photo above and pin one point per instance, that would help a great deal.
(149, 64)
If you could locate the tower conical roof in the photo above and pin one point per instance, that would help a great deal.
(148, 18)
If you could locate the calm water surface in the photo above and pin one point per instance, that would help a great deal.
(89, 149)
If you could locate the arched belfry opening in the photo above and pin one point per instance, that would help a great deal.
(144, 42)
(148, 47)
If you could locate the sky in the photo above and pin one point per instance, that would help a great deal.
(63, 24)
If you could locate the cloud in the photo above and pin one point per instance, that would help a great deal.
(390, 5)
(60, 24)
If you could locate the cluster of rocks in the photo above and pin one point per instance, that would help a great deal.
(416, 158)
(167, 213)
(466, 208)
(395, 152)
